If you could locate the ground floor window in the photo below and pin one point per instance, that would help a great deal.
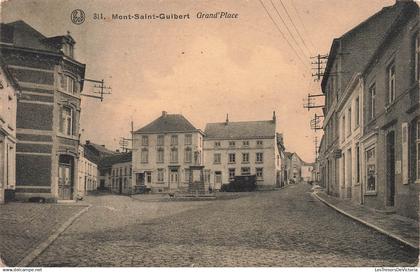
(218, 177)
(371, 170)
(259, 173)
(187, 175)
(245, 171)
(418, 150)
(148, 177)
(160, 175)
(231, 173)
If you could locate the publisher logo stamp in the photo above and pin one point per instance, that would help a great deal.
(78, 16)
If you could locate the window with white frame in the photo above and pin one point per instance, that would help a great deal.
(217, 158)
(145, 140)
(391, 82)
(160, 174)
(67, 117)
(160, 140)
(232, 157)
(370, 169)
(188, 155)
(148, 177)
(160, 158)
(144, 155)
(259, 157)
(188, 139)
(245, 171)
(174, 155)
(69, 84)
(259, 173)
(231, 173)
(174, 140)
(245, 157)
(357, 113)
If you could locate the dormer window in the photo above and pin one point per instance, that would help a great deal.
(68, 50)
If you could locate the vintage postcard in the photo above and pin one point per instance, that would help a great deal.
(209, 133)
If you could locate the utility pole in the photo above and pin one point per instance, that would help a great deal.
(310, 102)
(98, 84)
(320, 62)
(125, 142)
(316, 122)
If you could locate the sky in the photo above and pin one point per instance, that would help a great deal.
(202, 68)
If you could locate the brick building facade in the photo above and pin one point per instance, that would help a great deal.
(48, 112)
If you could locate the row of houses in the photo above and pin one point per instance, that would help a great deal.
(370, 149)
(41, 85)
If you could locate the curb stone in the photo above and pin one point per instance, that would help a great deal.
(28, 259)
(387, 233)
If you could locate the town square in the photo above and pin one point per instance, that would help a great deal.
(284, 134)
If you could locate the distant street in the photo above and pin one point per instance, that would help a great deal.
(278, 228)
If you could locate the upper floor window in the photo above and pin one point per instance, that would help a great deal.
(357, 113)
(188, 139)
(144, 155)
(391, 82)
(174, 140)
(69, 84)
(67, 119)
(217, 158)
(259, 143)
(160, 155)
(349, 122)
(245, 157)
(160, 140)
(174, 155)
(232, 158)
(245, 143)
(188, 155)
(259, 157)
(68, 50)
(245, 171)
(145, 140)
(231, 144)
(372, 102)
(343, 127)
(259, 173)
(216, 144)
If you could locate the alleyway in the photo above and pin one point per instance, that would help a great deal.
(279, 228)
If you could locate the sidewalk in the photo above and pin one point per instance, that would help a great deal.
(401, 228)
(24, 226)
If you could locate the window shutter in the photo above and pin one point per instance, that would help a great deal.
(404, 138)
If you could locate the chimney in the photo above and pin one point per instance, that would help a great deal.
(227, 119)
(88, 142)
(274, 116)
(164, 113)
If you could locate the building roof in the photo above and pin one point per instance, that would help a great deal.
(385, 16)
(98, 150)
(168, 123)
(241, 130)
(20, 34)
(109, 161)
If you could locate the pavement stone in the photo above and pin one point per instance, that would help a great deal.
(23, 226)
(403, 228)
(278, 228)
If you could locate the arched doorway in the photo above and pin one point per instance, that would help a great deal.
(65, 177)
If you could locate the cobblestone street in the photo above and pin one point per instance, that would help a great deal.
(278, 228)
